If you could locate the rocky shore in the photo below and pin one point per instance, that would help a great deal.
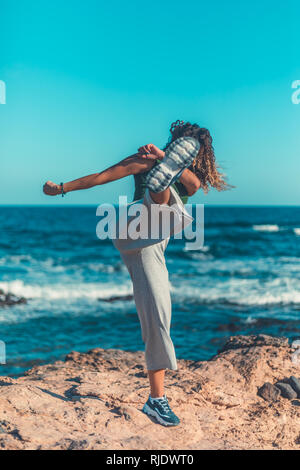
(94, 401)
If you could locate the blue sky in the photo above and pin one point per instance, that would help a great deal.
(89, 82)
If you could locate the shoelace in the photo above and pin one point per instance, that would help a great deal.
(165, 405)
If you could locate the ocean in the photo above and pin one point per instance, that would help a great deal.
(245, 280)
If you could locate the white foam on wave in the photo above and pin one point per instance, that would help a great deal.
(71, 292)
(30, 263)
(198, 255)
(15, 259)
(106, 268)
(281, 266)
(266, 228)
(58, 265)
(248, 292)
(297, 231)
(203, 249)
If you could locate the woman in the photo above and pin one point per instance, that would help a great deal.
(162, 177)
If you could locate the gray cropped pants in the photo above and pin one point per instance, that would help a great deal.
(147, 269)
(145, 261)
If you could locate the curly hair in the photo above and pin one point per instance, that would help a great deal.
(204, 165)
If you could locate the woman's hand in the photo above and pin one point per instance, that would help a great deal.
(51, 189)
(151, 151)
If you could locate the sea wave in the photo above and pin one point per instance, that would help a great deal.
(71, 292)
(266, 228)
(269, 267)
(242, 292)
(58, 265)
(240, 285)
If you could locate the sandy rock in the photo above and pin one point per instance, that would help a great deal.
(94, 401)
(286, 390)
(241, 342)
(295, 384)
(269, 392)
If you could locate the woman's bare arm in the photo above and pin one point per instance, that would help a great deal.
(129, 166)
(136, 163)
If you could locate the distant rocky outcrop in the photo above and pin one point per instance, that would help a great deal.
(116, 298)
(7, 299)
(94, 401)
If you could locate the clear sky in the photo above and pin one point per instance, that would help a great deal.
(89, 82)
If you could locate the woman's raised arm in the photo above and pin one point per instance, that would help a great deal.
(129, 166)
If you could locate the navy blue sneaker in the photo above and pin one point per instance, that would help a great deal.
(161, 411)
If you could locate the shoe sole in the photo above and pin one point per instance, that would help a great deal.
(179, 156)
(148, 411)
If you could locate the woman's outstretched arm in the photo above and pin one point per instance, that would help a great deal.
(129, 166)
